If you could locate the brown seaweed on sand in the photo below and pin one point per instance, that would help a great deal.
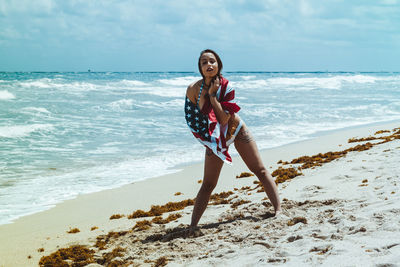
(142, 225)
(244, 174)
(220, 198)
(296, 220)
(170, 218)
(79, 255)
(102, 240)
(116, 216)
(322, 158)
(162, 261)
(73, 231)
(157, 210)
(283, 174)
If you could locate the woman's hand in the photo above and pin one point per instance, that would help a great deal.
(214, 86)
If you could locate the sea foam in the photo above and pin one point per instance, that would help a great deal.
(120, 105)
(23, 130)
(6, 95)
(180, 81)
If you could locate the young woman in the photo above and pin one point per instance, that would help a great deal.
(211, 115)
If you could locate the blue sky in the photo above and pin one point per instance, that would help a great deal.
(139, 35)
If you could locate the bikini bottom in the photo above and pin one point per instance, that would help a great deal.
(234, 134)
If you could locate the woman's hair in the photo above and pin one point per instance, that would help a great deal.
(216, 56)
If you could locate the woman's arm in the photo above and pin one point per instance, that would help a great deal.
(221, 115)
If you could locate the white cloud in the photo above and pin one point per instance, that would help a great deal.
(167, 28)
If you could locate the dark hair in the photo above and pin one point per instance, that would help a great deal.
(216, 56)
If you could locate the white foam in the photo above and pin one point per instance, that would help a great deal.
(35, 109)
(122, 104)
(42, 83)
(6, 95)
(180, 81)
(23, 130)
(168, 92)
(250, 84)
(334, 82)
(248, 77)
(305, 83)
(126, 84)
(172, 103)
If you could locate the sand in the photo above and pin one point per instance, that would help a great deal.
(344, 213)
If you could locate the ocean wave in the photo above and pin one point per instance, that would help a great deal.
(23, 130)
(180, 81)
(84, 86)
(42, 83)
(122, 104)
(251, 84)
(172, 103)
(6, 95)
(167, 92)
(307, 83)
(129, 83)
(35, 109)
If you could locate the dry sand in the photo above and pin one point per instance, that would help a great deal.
(343, 213)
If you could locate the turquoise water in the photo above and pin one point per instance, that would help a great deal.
(65, 134)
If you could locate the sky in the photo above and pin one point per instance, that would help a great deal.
(162, 35)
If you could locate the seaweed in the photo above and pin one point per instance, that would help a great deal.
(73, 231)
(78, 254)
(162, 261)
(157, 210)
(170, 218)
(116, 216)
(382, 131)
(283, 174)
(102, 240)
(238, 203)
(142, 225)
(220, 198)
(244, 175)
(296, 220)
(107, 258)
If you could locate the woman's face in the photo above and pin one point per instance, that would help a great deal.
(209, 65)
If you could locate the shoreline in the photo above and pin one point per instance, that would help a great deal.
(47, 229)
(179, 167)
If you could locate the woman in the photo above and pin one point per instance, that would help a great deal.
(211, 116)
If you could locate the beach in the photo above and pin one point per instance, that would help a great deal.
(340, 212)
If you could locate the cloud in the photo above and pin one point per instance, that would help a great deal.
(134, 30)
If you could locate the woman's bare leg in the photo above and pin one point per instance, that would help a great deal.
(212, 168)
(247, 148)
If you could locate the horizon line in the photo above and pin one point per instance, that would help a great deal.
(238, 71)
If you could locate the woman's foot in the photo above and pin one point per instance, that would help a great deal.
(278, 212)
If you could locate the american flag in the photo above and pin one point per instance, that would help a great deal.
(204, 124)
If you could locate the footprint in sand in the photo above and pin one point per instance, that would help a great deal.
(341, 177)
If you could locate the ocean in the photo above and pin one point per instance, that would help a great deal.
(63, 134)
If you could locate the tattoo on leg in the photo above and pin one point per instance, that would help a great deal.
(209, 152)
(244, 135)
